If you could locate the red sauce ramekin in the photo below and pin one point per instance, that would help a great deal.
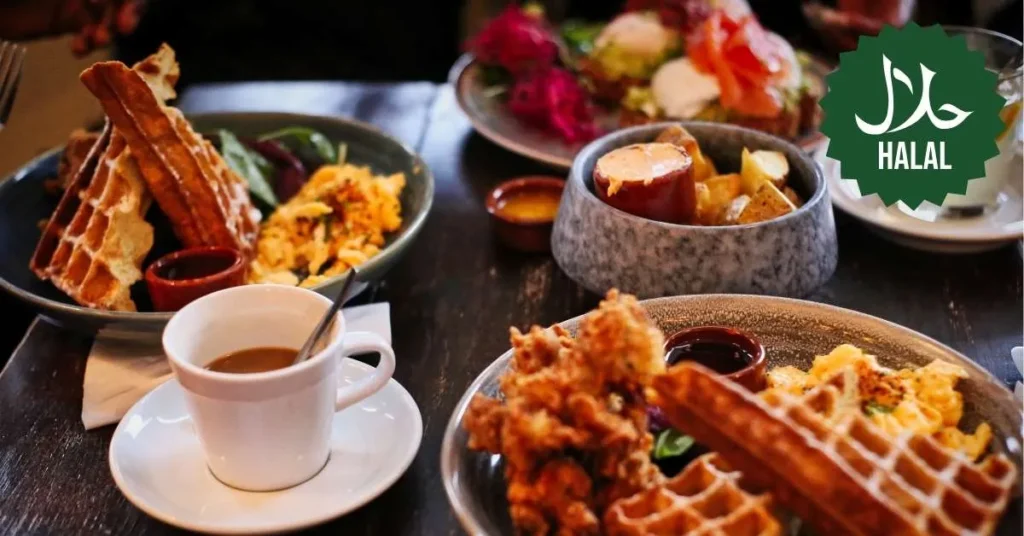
(751, 374)
(177, 279)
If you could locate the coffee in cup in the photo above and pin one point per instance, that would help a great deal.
(270, 429)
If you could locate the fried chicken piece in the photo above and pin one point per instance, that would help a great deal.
(529, 436)
(560, 491)
(619, 345)
(539, 348)
(623, 463)
(484, 419)
(573, 409)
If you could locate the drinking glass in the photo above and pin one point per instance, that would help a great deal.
(1003, 56)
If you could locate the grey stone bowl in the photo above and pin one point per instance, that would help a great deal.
(601, 247)
(24, 202)
(792, 332)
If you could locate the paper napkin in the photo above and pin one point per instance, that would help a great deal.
(118, 373)
(1017, 355)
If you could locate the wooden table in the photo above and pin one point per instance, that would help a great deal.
(453, 297)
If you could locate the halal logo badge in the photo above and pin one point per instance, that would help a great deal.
(912, 115)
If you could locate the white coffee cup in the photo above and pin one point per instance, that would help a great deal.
(267, 430)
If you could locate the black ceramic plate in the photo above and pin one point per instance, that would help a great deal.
(792, 332)
(24, 203)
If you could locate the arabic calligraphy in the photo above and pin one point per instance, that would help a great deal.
(924, 105)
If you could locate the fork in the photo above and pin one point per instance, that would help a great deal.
(12, 57)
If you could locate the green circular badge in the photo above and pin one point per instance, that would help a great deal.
(912, 115)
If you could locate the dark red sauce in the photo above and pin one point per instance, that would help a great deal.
(185, 268)
(727, 351)
(177, 279)
(723, 357)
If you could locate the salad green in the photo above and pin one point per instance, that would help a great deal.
(579, 36)
(249, 164)
(277, 164)
(307, 143)
(671, 443)
(874, 408)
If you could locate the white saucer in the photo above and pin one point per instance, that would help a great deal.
(158, 464)
(922, 228)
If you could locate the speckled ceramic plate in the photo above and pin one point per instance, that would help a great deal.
(24, 203)
(493, 121)
(793, 332)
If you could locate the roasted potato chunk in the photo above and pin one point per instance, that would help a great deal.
(793, 196)
(705, 213)
(714, 196)
(769, 202)
(734, 210)
(703, 167)
(763, 166)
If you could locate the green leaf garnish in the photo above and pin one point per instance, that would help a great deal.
(670, 443)
(302, 140)
(248, 164)
(874, 408)
(261, 162)
(580, 35)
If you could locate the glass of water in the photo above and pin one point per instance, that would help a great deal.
(1003, 56)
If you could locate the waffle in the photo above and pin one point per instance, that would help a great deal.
(94, 243)
(93, 246)
(75, 152)
(832, 468)
(704, 499)
(206, 203)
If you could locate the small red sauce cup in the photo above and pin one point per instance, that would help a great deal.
(177, 279)
(728, 351)
(528, 234)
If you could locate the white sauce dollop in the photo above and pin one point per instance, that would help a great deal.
(636, 33)
(681, 91)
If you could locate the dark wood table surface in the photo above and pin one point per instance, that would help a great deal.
(453, 297)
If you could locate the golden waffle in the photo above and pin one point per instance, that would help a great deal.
(835, 469)
(97, 253)
(93, 245)
(75, 152)
(206, 202)
(704, 499)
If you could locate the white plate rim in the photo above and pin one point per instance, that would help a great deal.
(383, 485)
(842, 200)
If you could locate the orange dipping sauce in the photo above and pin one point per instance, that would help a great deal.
(523, 211)
(530, 204)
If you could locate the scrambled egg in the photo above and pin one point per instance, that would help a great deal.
(923, 400)
(336, 221)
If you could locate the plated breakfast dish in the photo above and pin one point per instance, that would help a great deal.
(615, 427)
(654, 61)
(672, 180)
(286, 200)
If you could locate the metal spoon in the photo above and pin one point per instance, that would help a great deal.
(327, 321)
